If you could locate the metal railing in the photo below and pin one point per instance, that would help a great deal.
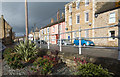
(80, 30)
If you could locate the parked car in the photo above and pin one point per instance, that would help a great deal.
(83, 42)
(64, 42)
(42, 41)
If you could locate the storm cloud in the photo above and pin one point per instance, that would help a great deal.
(39, 13)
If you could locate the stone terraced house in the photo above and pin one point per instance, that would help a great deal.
(5, 31)
(84, 14)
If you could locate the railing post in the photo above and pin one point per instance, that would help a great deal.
(60, 43)
(119, 40)
(40, 38)
(80, 41)
(48, 41)
(34, 37)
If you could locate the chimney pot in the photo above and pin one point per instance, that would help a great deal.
(52, 20)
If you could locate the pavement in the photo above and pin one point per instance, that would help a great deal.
(109, 52)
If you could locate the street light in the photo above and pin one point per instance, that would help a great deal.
(26, 19)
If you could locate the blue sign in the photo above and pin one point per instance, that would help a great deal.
(68, 37)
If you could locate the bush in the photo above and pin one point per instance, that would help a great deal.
(92, 70)
(27, 49)
(41, 52)
(14, 60)
(43, 66)
(7, 52)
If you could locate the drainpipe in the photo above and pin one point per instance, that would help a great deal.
(93, 23)
(3, 27)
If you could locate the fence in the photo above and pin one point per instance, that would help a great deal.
(80, 30)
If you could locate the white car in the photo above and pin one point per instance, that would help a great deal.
(64, 42)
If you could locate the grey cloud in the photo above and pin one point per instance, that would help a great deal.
(38, 12)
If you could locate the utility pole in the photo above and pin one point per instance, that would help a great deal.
(34, 32)
(26, 19)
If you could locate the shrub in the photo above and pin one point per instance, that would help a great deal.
(92, 70)
(79, 61)
(27, 49)
(7, 52)
(43, 66)
(41, 52)
(14, 60)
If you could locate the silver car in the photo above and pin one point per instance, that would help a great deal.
(64, 42)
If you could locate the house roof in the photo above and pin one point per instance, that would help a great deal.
(102, 7)
(56, 22)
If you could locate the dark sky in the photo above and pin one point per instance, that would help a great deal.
(38, 12)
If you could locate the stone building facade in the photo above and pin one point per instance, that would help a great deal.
(107, 18)
(84, 14)
(79, 14)
(5, 31)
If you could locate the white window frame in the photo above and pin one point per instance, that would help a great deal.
(87, 2)
(86, 34)
(42, 31)
(74, 35)
(111, 39)
(45, 30)
(48, 30)
(112, 17)
(70, 20)
(53, 38)
(77, 5)
(86, 16)
(53, 29)
(70, 8)
(77, 18)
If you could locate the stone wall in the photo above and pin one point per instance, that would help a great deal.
(101, 21)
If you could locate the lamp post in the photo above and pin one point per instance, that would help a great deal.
(26, 19)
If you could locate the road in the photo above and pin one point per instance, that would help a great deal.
(91, 51)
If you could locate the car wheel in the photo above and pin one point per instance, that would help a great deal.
(84, 45)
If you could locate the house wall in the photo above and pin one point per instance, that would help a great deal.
(103, 20)
(54, 30)
(62, 30)
(84, 25)
(5, 31)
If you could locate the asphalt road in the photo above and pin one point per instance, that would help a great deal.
(110, 52)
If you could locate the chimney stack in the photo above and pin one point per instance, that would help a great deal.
(63, 15)
(58, 15)
(52, 20)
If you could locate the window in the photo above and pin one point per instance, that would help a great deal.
(53, 29)
(74, 35)
(45, 38)
(112, 17)
(70, 8)
(86, 17)
(86, 34)
(48, 30)
(45, 31)
(77, 18)
(112, 34)
(42, 31)
(70, 20)
(86, 2)
(53, 38)
(77, 5)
